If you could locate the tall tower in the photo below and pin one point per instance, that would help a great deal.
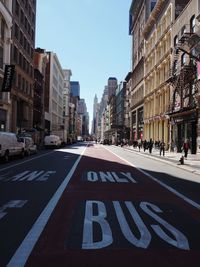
(94, 120)
(112, 85)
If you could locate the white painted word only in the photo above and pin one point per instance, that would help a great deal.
(113, 177)
(96, 215)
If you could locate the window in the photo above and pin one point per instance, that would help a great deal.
(175, 65)
(192, 24)
(23, 84)
(175, 40)
(16, 31)
(26, 23)
(24, 64)
(19, 81)
(32, 35)
(20, 59)
(1, 57)
(15, 52)
(153, 3)
(32, 53)
(21, 38)
(17, 8)
(33, 17)
(26, 4)
(183, 30)
(3, 25)
(22, 17)
(183, 59)
(29, 29)
(26, 88)
(24, 42)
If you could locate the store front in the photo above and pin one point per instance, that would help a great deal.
(184, 126)
(3, 115)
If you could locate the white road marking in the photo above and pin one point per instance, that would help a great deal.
(112, 177)
(11, 204)
(186, 199)
(20, 163)
(22, 253)
(96, 214)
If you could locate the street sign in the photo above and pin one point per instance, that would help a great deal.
(8, 78)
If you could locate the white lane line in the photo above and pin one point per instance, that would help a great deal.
(22, 253)
(19, 163)
(188, 200)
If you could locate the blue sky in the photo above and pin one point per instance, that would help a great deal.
(90, 37)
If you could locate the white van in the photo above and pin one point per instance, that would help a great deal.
(29, 146)
(52, 141)
(10, 145)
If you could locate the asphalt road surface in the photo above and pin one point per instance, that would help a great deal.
(97, 206)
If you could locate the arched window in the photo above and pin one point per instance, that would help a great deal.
(175, 40)
(192, 24)
(183, 59)
(183, 30)
(175, 65)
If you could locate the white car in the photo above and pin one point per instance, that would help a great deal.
(10, 145)
(52, 141)
(29, 146)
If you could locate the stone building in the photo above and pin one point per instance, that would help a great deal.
(138, 15)
(22, 56)
(5, 45)
(66, 99)
(54, 84)
(184, 109)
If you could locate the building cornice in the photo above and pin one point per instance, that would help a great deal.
(153, 17)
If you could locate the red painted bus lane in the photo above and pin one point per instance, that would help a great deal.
(111, 214)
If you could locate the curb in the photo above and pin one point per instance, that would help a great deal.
(183, 167)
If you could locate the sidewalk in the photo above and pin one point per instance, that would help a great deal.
(191, 164)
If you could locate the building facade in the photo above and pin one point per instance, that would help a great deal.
(75, 88)
(157, 33)
(22, 56)
(40, 61)
(112, 85)
(94, 119)
(54, 94)
(66, 99)
(5, 46)
(138, 15)
(184, 106)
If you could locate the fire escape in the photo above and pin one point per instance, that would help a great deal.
(184, 74)
(183, 78)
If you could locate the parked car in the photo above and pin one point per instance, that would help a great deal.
(10, 145)
(52, 141)
(29, 146)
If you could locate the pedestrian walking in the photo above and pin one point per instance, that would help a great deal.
(150, 145)
(162, 148)
(186, 147)
(145, 145)
(139, 145)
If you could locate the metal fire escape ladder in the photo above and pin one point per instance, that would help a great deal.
(183, 74)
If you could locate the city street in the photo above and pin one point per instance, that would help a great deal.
(26, 186)
(98, 205)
